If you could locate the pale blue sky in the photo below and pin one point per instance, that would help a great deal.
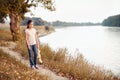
(79, 10)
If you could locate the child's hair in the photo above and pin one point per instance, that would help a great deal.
(29, 21)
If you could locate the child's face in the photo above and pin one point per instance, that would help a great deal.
(31, 25)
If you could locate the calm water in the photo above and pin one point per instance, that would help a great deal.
(99, 45)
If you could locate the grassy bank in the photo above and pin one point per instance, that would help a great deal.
(74, 68)
(10, 68)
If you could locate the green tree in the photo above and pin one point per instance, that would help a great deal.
(16, 10)
(113, 21)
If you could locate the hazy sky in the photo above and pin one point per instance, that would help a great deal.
(79, 10)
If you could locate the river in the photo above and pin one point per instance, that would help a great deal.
(99, 45)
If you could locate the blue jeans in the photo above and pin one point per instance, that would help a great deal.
(33, 60)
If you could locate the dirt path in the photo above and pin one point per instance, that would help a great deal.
(51, 75)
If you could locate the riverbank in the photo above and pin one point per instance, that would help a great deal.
(41, 30)
(44, 30)
(18, 51)
(60, 63)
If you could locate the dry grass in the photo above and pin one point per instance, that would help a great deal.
(5, 35)
(11, 69)
(75, 68)
(4, 26)
(21, 48)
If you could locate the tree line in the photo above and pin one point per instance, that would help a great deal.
(113, 21)
(37, 21)
(60, 23)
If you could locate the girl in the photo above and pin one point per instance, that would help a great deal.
(32, 43)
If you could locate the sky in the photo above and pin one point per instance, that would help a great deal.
(79, 10)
